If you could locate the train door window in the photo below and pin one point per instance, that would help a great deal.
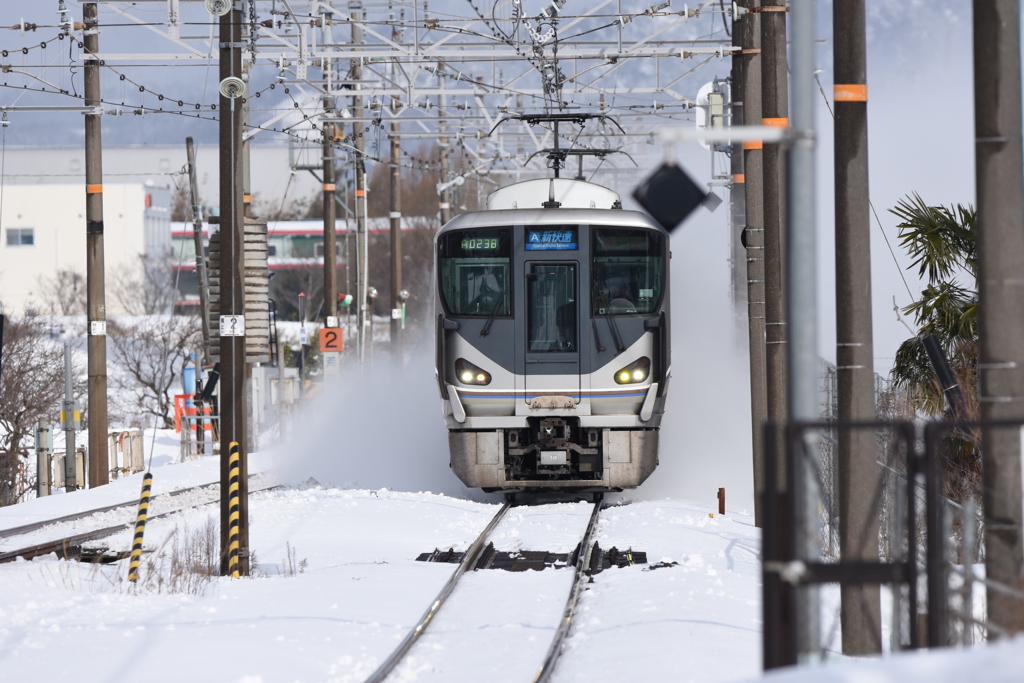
(628, 271)
(475, 271)
(551, 307)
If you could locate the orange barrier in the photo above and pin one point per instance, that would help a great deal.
(183, 406)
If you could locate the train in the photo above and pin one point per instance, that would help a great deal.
(552, 347)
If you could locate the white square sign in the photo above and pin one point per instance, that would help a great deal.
(232, 326)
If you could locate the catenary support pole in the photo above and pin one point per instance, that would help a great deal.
(445, 148)
(396, 236)
(801, 308)
(330, 227)
(44, 457)
(775, 112)
(859, 476)
(362, 249)
(232, 288)
(197, 238)
(737, 195)
(753, 173)
(99, 473)
(1000, 235)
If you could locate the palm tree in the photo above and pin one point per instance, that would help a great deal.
(941, 241)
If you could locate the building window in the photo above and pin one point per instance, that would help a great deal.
(21, 237)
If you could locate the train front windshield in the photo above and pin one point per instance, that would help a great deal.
(628, 271)
(476, 271)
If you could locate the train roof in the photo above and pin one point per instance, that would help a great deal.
(581, 202)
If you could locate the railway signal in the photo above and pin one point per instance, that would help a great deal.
(669, 195)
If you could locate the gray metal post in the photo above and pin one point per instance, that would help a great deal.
(859, 476)
(775, 112)
(753, 172)
(96, 295)
(802, 308)
(44, 456)
(1000, 236)
(396, 236)
(68, 407)
(737, 193)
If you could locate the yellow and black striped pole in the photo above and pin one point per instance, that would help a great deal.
(140, 527)
(234, 478)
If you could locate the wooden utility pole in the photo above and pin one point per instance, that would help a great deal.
(1000, 235)
(99, 470)
(362, 248)
(330, 227)
(775, 112)
(859, 476)
(232, 291)
(396, 234)
(749, 30)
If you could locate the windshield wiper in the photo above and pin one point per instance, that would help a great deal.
(619, 346)
(486, 330)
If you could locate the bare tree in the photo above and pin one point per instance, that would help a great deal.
(63, 292)
(31, 388)
(147, 287)
(150, 353)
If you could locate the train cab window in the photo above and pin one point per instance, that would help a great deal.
(476, 271)
(628, 270)
(551, 307)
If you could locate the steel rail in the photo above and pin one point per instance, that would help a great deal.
(468, 559)
(26, 528)
(582, 562)
(63, 544)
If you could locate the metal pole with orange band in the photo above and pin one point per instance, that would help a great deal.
(774, 112)
(96, 308)
(753, 241)
(859, 476)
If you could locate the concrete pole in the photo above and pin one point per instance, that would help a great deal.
(96, 293)
(70, 446)
(737, 196)
(802, 309)
(197, 238)
(44, 456)
(232, 293)
(396, 234)
(446, 151)
(753, 172)
(1000, 235)
(362, 250)
(330, 222)
(775, 112)
(859, 476)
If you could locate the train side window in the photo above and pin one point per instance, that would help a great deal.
(475, 271)
(628, 272)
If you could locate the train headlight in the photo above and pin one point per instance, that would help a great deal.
(470, 374)
(635, 372)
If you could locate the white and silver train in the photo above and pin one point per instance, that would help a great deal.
(552, 339)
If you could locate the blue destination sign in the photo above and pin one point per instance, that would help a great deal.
(551, 240)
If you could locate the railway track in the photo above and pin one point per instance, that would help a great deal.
(71, 546)
(476, 556)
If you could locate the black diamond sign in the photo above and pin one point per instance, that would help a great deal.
(669, 195)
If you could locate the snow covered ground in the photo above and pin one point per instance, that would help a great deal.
(337, 587)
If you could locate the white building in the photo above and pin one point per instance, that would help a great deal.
(42, 231)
